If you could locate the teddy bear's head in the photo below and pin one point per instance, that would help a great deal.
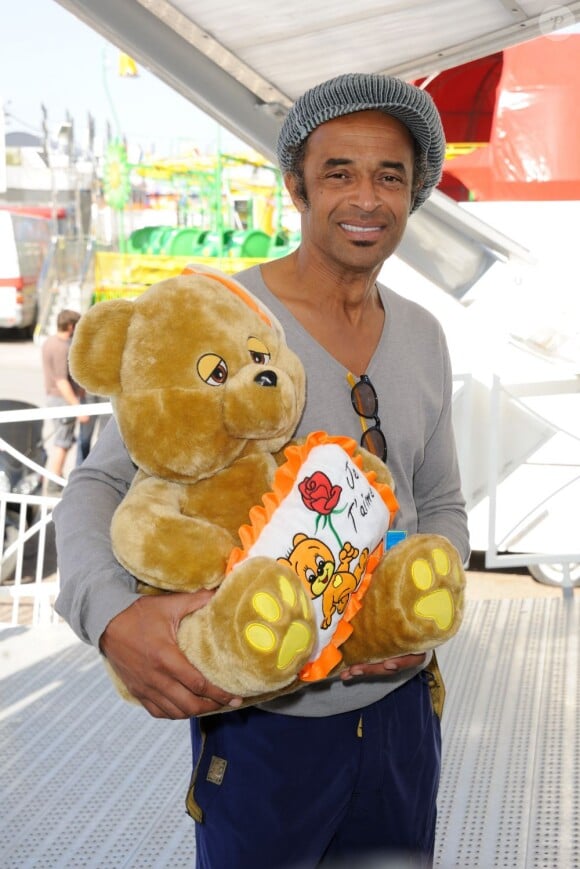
(197, 370)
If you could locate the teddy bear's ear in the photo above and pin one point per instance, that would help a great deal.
(98, 344)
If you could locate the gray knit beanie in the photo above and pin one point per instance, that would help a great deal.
(356, 92)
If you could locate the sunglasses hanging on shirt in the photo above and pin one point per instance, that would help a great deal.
(366, 404)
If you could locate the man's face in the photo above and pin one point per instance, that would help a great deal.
(358, 173)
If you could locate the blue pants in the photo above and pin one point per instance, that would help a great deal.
(273, 791)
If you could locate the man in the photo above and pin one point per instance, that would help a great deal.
(60, 389)
(348, 768)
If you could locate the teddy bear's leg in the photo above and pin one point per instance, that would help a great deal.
(257, 631)
(414, 601)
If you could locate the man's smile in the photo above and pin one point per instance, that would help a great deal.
(351, 227)
(360, 232)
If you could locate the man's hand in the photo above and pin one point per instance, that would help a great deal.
(140, 644)
(383, 668)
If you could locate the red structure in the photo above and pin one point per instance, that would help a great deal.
(512, 121)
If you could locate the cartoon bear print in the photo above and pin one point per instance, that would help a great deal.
(313, 561)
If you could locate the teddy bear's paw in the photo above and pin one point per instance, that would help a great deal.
(436, 604)
(280, 626)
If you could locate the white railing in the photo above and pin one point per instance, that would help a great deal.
(518, 446)
(533, 507)
(28, 572)
(26, 597)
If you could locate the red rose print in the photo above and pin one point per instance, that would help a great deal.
(318, 493)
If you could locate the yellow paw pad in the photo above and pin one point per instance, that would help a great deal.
(437, 605)
(266, 606)
(261, 637)
(441, 561)
(296, 641)
(422, 574)
(280, 627)
(287, 591)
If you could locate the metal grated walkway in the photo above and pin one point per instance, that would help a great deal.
(88, 781)
(510, 793)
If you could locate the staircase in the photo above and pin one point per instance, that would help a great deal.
(66, 281)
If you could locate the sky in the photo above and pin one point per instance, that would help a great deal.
(49, 56)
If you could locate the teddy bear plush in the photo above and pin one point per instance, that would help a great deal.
(207, 395)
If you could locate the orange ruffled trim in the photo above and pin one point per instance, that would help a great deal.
(284, 480)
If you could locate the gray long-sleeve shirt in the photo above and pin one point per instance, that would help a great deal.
(411, 373)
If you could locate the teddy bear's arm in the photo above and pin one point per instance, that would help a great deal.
(373, 463)
(160, 545)
(280, 457)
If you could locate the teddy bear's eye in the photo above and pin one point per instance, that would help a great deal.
(310, 575)
(258, 351)
(260, 358)
(212, 369)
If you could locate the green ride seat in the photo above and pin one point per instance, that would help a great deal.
(184, 242)
(138, 241)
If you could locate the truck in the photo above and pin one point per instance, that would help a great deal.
(25, 234)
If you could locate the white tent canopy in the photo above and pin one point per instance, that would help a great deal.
(244, 64)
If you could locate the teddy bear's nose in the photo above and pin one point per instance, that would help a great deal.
(266, 378)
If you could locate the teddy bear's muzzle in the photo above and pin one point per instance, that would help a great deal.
(260, 404)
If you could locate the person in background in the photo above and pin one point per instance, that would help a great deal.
(90, 430)
(344, 772)
(60, 389)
